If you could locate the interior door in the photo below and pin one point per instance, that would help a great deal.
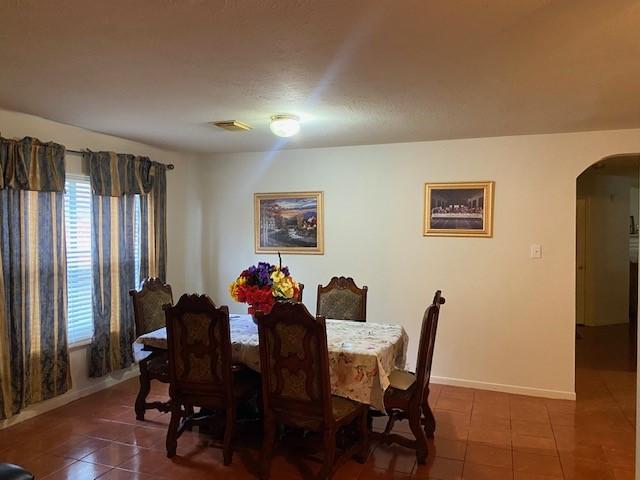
(581, 258)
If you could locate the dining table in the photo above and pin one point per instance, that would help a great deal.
(362, 355)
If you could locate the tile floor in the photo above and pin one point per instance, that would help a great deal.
(481, 435)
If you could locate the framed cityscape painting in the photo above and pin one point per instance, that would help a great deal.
(462, 209)
(289, 222)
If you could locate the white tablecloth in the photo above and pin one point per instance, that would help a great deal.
(361, 354)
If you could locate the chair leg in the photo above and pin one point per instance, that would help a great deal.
(429, 420)
(421, 441)
(172, 431)
(268, 445)
(189, 413)
(361, 456)
(230, 420)
(386, 438)
(145, 388)
(329, 453)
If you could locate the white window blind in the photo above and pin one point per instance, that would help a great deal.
(77, 204)
(137, 240)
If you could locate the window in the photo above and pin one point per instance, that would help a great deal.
(77, 210)
(136, 240)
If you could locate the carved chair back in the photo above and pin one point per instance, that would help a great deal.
(427, 343)
(294, 362)
(199, 345)
(148, 303)
(341, 299)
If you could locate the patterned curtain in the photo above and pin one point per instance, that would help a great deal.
(29, 164)
(153, 225)
(117, 174)
(34, 360)
(116, 179)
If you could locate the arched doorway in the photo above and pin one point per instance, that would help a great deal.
(607, 214)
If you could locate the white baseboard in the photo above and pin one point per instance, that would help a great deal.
(68, 397)
(499, 387)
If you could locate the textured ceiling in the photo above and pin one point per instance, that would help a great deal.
(357, 71)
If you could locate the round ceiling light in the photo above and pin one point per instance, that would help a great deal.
(285, 125)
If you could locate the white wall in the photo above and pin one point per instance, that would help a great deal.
(509, 320)
(606, 298)
(183, 225)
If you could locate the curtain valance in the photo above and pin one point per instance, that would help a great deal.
(117, 174)
(29, 164)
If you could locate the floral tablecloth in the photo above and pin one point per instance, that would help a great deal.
(361, 354)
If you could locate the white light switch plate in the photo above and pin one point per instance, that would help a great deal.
(535, 250)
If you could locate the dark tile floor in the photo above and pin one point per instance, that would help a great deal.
(481, 435)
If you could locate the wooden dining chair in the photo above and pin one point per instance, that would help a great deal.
(296, 389)
(153, 363)
(200, 369)
(411, 401)
(341, 299)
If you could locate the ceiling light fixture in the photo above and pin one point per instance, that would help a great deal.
(285, 125)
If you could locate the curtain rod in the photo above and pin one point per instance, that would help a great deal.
(170, 166)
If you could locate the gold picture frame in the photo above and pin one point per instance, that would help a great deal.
(289, 222)
(460, 209)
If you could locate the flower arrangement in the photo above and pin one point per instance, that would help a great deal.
(262, 285)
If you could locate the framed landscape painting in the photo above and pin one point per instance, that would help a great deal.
(289, 222)
(462, 209)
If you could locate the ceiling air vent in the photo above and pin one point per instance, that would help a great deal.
(232, 125)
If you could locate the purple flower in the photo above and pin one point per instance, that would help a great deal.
(260, 275)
